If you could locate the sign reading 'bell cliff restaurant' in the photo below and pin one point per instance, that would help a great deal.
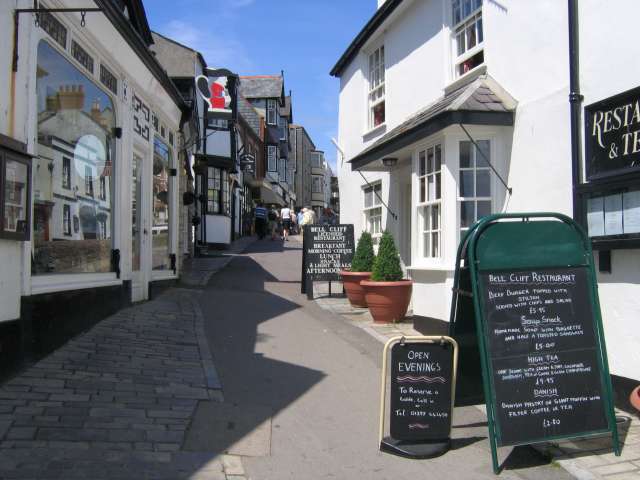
(612, 135)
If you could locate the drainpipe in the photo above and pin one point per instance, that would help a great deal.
(575, 102)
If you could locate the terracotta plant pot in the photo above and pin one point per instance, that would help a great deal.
(387, 301)
(634, 398)
(355, 292)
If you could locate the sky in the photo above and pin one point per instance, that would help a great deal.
(305, 38)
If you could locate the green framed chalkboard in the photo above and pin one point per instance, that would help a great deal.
(526, 316)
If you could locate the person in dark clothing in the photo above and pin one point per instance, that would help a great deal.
(261, 220)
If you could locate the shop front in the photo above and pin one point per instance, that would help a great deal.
(103, 131)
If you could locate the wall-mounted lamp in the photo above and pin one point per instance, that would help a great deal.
(389, 161)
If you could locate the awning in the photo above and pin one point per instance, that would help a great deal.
(481, 102)
(268, 196)
(225, 163)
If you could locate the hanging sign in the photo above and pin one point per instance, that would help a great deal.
(534, 331)
(214, 91)
(612, 135)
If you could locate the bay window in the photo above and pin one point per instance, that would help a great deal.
(474, 183)
(373, 210)
(468, 35)
(430, 200)
(218, 192)
(376, 88)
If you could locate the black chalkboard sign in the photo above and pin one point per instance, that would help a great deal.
(326, 250)
(543, 358)
(421, 389)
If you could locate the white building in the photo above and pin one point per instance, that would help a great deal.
(99, 121)
(425, 77)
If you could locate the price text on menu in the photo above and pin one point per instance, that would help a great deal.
(543, 354)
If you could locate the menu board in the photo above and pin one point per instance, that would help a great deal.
(421, 376)
(327, 249)
(543, 354)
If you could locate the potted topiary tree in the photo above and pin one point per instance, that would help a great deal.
(360, 270)
(386, 293)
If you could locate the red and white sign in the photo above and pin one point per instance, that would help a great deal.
(214, 91)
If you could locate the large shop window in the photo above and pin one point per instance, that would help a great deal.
(162, 188)
(72, 229)
(373, 210)
(376, 88)
(218, 198)
(474, 184)
(430, 200)
(468, 35)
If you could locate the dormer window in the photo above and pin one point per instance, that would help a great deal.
(468, 35)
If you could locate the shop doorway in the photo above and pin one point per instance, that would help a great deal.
(139, 232)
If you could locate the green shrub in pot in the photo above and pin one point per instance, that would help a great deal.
(364, 256)
(386, 267)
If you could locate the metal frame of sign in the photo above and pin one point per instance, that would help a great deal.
(385, 366)
(467, 252)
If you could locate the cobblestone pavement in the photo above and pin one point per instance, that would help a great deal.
(116, 401)
(587, 459)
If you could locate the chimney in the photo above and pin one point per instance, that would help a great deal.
(71, 97)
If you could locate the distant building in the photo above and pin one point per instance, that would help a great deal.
(266, 95)
(301, 148)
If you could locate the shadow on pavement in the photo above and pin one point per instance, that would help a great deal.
(255, 387)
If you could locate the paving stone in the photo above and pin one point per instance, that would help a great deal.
(21, 433)
(232, 465)
(615, 468)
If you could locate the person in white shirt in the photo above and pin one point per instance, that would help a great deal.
(285, 216)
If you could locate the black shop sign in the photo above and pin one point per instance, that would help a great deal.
(612, 135)
(326, 250)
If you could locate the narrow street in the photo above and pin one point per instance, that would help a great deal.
(301, 386)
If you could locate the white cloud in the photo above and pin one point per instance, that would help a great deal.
(217, 50)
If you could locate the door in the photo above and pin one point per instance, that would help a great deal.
(139, 233)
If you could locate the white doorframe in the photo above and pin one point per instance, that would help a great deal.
(141, 224)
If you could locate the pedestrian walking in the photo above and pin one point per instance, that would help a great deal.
(260, 214)
(328, 217)
(272, 217)
(285, 215)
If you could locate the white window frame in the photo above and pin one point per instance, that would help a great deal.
(272, 117)
(474, 156)
(272, 156)
(429, 174)
(372, 214)
(317, 180)
(460, 31)
(376, 90)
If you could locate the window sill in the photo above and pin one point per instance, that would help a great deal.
(375, 130)
(157, 275)
(71, 281)
(438, 267)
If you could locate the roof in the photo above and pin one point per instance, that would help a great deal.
(262, 86)
(249, 114)
(386, 9)
(137, 43)
(481, 102)
(177, 59)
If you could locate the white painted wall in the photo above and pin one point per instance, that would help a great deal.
(526, 52)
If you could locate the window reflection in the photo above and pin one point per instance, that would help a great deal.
(72, 224)
(160, 229)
